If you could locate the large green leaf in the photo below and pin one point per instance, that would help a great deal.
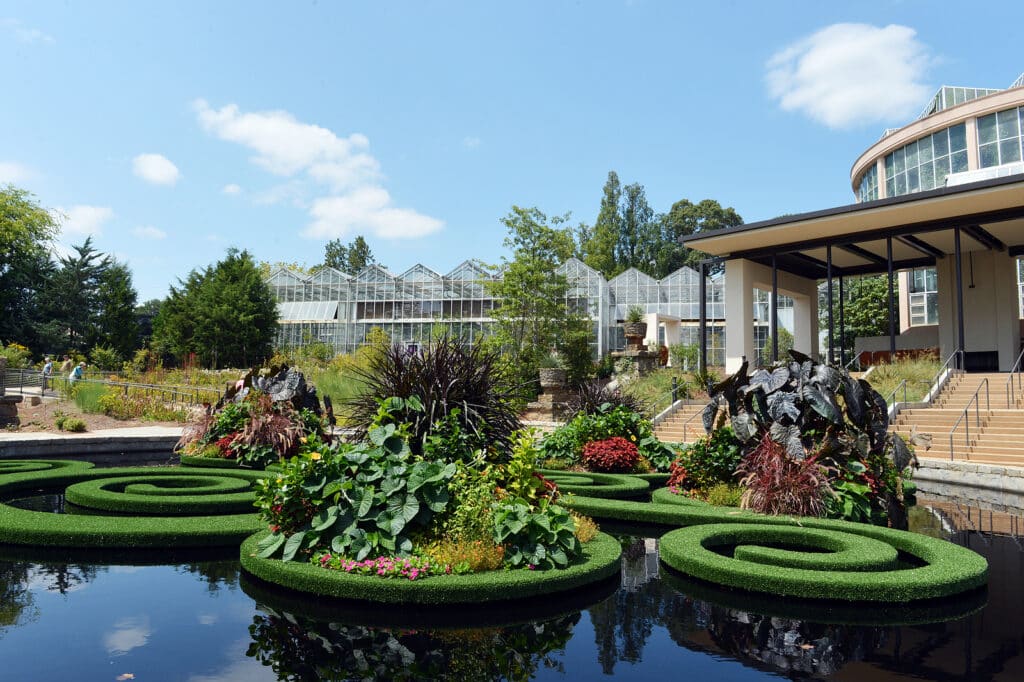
(436, 498)
(744, 427)
(404, 506)
(381, 433)
(293, 545)
(389, 486)
(269, 545)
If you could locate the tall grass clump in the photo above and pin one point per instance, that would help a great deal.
(88, 396)
(918, 373)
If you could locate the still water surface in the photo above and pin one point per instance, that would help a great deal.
(200, 619)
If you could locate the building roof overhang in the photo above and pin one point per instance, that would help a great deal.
(990, 214)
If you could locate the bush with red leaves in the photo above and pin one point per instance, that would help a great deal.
(613, 455)
(777, 484)
(224, 445)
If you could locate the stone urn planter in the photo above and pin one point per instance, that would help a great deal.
(552, 377)
(635, 333)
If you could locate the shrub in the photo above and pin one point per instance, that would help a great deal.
(544, 537)
(725, 495)
(586, 528)
(445, 375)
(613, 455)
(87, 396)
(707, 462)
(591, 396)
(684, 355)
(777, 484)
(74, 425)
(18, 356)
(106, 358)
(464, 556)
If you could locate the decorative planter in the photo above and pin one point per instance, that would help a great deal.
(632, 329)
(552, 377)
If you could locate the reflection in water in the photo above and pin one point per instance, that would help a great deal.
(17, 604)
(299, 648)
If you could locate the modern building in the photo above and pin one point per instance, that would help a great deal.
(963, 135)
(338, 309)
(940, 200)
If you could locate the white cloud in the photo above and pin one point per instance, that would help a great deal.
(367, 209)
(13, 172)
(156, 169)
(471, 142)
(26, 34)
(84, 220)
(310, 155)
(231, 189)
(149, 232)
(128, 634)
(847, 75)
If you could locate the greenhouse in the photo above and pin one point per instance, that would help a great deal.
(338, 309)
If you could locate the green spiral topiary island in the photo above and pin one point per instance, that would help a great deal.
(600, 562)
(156, 507)
(841, 560)
(591, 484)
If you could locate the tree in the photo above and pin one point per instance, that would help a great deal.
(117, 325)
(26, 230)
(349, 258)
(865, 311)
(638, 234)
(597, 246)
(532, 314)
(72, 298)
(684, 219)
(225, 314)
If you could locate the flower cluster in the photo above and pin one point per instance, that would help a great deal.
(612, 455)
(410, 568)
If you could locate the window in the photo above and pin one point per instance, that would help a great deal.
(924, 297)
(868, 190)
(999, 137)
(925, 163)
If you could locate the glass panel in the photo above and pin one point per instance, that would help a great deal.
(960, 162)
(912, 180)
(911, 154)
(901, 184)
(924, 149)
(958, 137)
(927, 176)
(941, 171)
(1009, 150)
(989, 155)
(987, 129)
(890, 166)
(898, 155)
(1008, 124)
(890, 188)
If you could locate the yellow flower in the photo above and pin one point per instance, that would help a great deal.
(303, 439)
(280, 480)
(315, 456)
(633, 438)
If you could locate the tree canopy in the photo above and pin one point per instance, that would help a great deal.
(26, 230)
(224, 314)
(349, 258)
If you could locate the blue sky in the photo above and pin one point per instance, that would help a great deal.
(173, 131)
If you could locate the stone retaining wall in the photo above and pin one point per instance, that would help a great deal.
(97, 449)
(997, 487)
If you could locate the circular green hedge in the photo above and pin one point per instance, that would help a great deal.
(205, 529)
(654, 479)
(24, 466)
(851, 562)
(616, 486)
(600, 561)
(177, 495)
(209, 462)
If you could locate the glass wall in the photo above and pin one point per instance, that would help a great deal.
(924, 297)
(999, 137)
(925, 163)
(868, 190)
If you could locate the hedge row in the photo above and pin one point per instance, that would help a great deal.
(616, 486)
(179, 495)
(24, 527)
(600, 561)
(24, 466)
(208, 462)
(949, 569)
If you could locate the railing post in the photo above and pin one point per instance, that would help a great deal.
(675, 389)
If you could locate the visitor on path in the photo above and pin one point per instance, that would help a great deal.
(47, 374)
(65, 367)
(77, 373)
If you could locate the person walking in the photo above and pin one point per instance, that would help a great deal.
(77, 373)
(65, 367)
(47, 374)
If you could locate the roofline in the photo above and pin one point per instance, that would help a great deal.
(855, 208)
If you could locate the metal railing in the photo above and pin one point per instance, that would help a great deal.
(943, 375)
(1014, 380)
(964, 417)
(21, 379)
(890, 400)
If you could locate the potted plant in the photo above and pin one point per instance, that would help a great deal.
(552, 371)
(634, 327)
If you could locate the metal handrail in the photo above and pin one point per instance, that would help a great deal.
(1015, 371)
(977, 417)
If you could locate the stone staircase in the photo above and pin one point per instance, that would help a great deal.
(683, 426)
(998, 440)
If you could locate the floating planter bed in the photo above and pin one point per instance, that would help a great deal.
(757, 553)
(175, 507)
(600, 562)
(209, 462)
(616, 486)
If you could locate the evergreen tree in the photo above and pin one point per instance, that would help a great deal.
(72, 298)
(225, 315)
(350, 258)
(597, 246)
(26, 230)
(117, 326)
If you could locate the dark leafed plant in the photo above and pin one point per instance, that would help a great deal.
(809, 407)
(778, 484)
(592, 397)
(271, 433)
(612, 455)
(446, 376)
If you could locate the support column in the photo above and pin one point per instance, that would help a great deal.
(892, 309)
(828, 292)
(959, 294)
(739, 313)
(774, 303)
(702, 323)
(842, 325)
